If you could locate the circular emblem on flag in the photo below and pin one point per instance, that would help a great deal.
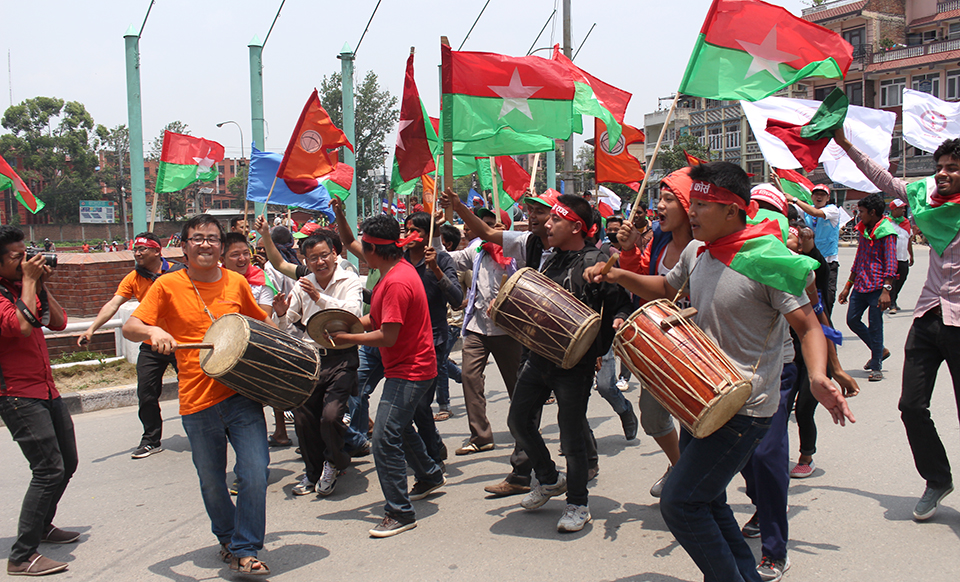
(311, 141)
(617, 148)
(933, 121)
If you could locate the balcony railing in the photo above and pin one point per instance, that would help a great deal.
(948, 6)
(932, 48)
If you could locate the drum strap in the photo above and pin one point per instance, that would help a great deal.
(205, 310)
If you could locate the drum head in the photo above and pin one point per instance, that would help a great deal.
(332, 320)
(229, 335)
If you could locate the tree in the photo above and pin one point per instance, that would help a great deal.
(51, 138)
(672, 159)
(115, 150)
(376, 116)
(237, 186)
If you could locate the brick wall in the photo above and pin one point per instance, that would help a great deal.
(103, 342)
(83, 282)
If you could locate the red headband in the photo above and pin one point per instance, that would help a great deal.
(565, 212)
(795, 231)
(415, 237)
(145, 242)
(713, 193)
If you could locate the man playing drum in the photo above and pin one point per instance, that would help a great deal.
(741, 312)
(178, 309)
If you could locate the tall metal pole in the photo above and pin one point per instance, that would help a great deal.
(256, 101)
(346, 57)
(138, 187)
(552, 168)
(568, 52)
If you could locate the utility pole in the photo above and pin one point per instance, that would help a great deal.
(346, 57)
(568, 52)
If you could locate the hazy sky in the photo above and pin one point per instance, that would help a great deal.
(195, 63)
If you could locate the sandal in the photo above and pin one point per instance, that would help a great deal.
(274, 442)
(442, 415)
(875, 376)
(225, 554)
(252, 566)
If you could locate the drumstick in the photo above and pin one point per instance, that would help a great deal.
(326, 334)
(193, 347)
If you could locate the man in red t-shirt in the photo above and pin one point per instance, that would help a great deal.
(30, 405)
(399, 321)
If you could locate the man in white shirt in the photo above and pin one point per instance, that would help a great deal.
(319, 421)
(824, 218)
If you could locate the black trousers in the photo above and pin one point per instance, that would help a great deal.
(151, 366)
(903, 268)
(929, 344)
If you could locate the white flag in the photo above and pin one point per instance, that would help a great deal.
(928, 121)
(607, 197)
(870, 130)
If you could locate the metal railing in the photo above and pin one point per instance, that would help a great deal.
(948, 6)
(931, 48)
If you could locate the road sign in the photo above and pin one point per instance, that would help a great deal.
(97, 211)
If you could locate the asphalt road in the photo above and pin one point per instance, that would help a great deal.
(144, 520)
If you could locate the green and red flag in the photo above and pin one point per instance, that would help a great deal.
(806, 142)
(493, 103)
(338, 181)
(595, 97)
(612, 161)
(938, 217)
(311, 152)
(413, 153)
(883, 228)
(748, 49)
(515, 181)
(795, 184)
(10, 179)
(185, 159)
(756, 252)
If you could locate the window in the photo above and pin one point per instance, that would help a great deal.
(891, 91)
(733, 136)
(146, 170)
(220, 168)
(953, 85)
(855, 37)
(954, 31)
(927, 84)
(854, 92)
(716, 138)
(820, 93)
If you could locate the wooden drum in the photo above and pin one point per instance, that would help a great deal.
(545, 317)
(684, 370)
(260, 362)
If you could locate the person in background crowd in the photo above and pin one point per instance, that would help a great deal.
(824, 218)
(898, 211)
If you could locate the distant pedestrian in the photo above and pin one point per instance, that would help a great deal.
(898, 211)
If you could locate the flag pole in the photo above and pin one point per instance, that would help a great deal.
(496, 191)
(153, 212)
(646, 175)
(533, 173)
(269, 194)
(433, 205)
(447, 148)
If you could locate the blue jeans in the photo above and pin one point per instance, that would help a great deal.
(447, 369)
(694, 500)
(240, 421)
(872, 336)
(369, 375)
(393, 448)
(423, 417)
(607, 384)
(536, 380)
(44, 431)
(767, 474)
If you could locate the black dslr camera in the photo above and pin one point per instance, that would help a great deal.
(49, 258)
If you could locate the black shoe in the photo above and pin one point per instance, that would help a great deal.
(361, 451)
(145, 451)
(592, 473)
(751, 529)
(630, 422)
(421, 489)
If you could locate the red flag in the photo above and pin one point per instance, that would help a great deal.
(311, 152)
(614, 163)
(413, 151)
(807, 151)
(610, 98)
(694, 160)
(516, 180)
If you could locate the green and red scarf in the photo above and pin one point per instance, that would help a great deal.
(756, 252)
(881, 229)
(937, 217)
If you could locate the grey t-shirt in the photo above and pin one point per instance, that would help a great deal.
(743, 317)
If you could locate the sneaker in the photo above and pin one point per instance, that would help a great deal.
(772, 570)
(55, 535)
(328, 480)
(801, 471)
(421, 489)
(751, 529)
(574, 518)
(542, 493)
(390, 527)
(346, 419)
(37, 565)
(927, 506)
(657, 488)
(304, 487)
(145, 451)
(623, 385)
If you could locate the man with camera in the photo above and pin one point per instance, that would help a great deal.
(151, 365)
(30, 405)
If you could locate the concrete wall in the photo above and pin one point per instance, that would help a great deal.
(80, 232)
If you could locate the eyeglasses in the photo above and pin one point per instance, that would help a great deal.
(321, 257)
(210, 240)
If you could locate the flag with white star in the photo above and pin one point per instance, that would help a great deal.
(748, 50)
(185, 159)
(413, 153)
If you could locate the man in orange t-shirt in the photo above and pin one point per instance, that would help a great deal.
(179, 308)
(151, 365)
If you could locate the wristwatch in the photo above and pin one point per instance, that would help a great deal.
(887, 287)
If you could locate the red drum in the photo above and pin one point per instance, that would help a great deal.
(684, 370)
(545, 317)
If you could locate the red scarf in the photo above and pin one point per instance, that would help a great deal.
(496, 253)
(255, 275)
(937, 200)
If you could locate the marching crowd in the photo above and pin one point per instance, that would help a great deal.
(759, 267)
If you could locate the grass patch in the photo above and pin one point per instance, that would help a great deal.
(103, 375)
(71, 357)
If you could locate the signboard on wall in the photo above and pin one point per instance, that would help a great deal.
(97, 211)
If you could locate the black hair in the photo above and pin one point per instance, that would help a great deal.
(198, 221)
(580, 207)
(597, 219)
(320, 236)
(451, 234)
(792, 212)
(385, 227)
(335, 243)
(235, 220)
(420, 220)
(872, 202)
(726, 175)
(615, 218)
(281, 235)
(148, 236)
(8, 236)
(950, 147)
(232, 238)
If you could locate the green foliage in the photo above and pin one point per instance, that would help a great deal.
(53, 139)
(672, 159)
(237, 186)
(115, 171)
